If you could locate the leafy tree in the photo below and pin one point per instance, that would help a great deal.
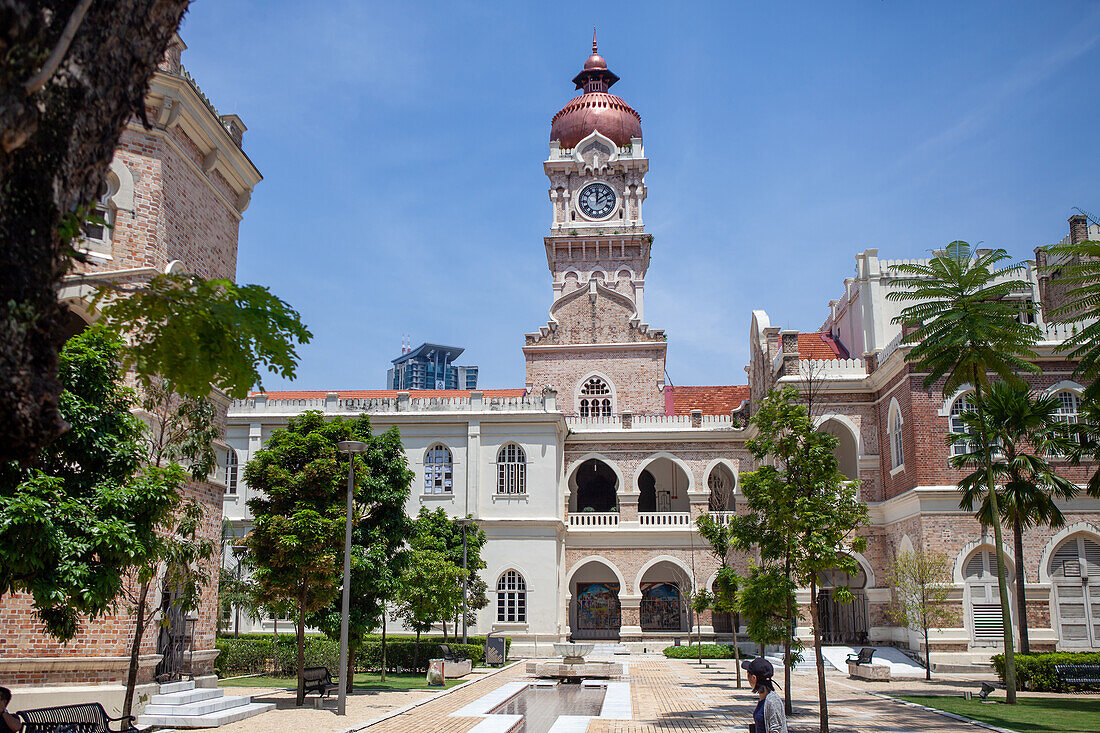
(1025, 430)
(73, 73)
(1080, 265)
(765, 599)
(378, 539)
(719, 536)
(430, 589)
(297, 538)
(74, 525)
(802, 512)
(436, 531)
(962, 326)
(922, 583)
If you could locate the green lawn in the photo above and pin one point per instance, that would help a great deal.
(1029, 714)
(363, 681)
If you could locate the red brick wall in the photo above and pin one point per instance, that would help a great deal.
(636, 375)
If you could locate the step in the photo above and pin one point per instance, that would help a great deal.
(201, 707)
(187, 696)
(170, 687)
(210, 720)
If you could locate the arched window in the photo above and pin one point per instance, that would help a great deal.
(1075, 572)
(980, 577)
(595, 398)
(512, 598)
(438, 470)
(97, 229)
(897, 445)
(231, 466)
(964, 403)
(511, 470)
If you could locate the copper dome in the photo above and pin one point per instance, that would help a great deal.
(595, 109)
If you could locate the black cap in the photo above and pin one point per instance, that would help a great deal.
(759, 667)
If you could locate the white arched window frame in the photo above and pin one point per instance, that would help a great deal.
(511, 470)
(232, 466)
(1069, 405)
(963, 403)
(595, 398)
(512, 598)
(983, 596)
(438, 470)
(897, 443)
(97, 234)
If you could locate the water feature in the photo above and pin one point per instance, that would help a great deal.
(540, 705)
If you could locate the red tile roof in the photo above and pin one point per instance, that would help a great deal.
(820, 346)
(374, 393)
(720, 400)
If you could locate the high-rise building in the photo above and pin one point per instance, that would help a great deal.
(430, 366)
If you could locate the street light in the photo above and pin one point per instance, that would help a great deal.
(464, 523)
(351, 447)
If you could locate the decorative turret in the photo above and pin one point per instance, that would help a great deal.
(595, 109)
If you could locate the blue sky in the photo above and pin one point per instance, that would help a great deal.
(402, 148)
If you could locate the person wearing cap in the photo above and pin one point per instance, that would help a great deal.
(768, 715)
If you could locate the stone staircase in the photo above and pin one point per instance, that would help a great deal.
(182, 705)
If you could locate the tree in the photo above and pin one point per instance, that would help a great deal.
(1025, 430)
(430, 589)
(75, 524)
(724, 600)
(962, 325)
(72, 74)
(1080, 265)
(434, 530)
(922, 584)
(298, 533)
(765, 599)
(378, 539)
(802, 512)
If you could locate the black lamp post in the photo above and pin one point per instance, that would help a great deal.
(464, 523)
(351, 447)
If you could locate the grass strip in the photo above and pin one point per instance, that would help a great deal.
(1028, 715)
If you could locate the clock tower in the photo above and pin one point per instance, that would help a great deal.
(596, 348)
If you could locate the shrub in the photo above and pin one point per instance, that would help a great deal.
(1036, 671)
(710, 651)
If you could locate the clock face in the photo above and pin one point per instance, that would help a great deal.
(597, 200)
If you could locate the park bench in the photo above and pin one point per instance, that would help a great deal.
(456, 666)
(318, 679)
(89, 717)
(864, 656)
(448, 656)
(1082, 675)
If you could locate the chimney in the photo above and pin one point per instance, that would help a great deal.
(1078, 228)
(235, 127)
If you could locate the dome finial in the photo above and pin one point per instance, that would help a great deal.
(594, 49)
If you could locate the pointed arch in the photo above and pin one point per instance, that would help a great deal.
(599, 559)
(656, 560)
(1082, 527)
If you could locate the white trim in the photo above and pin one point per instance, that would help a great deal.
(846, 422)
(571, 471)
(659, 559)
(729, 466)
(906, 545)
(663, 454)
(1066, 385)
(594, 558)
(123, 198)
(1081, 527)
(577, 397)
(945, 410)
(983, 542)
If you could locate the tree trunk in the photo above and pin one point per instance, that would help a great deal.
(135, 651)
(736, 619)
(300, 698)
(56, 143)
(383, 642)
(927, 656)
(350, 677)
(416, 653)
(788, 707)
(1002, 585)
(822, 696)
(1021, 594)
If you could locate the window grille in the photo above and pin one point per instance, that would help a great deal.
(438, 470)
(962, 405)
(231, 466)
(511, 470)
(512, 598)
(595, 398)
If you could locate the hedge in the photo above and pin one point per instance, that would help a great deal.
(260, 653)
(710, 651)
(1036, 671)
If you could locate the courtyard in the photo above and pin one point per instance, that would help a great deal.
(674, 695)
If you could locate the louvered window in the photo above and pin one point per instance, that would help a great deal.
(961, 405)
(438, 470)
(511, 470)
(988, 621)
(1075, 569)
(512, 598)
(980, 574)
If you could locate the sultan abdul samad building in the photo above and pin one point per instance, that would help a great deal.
(587, 478)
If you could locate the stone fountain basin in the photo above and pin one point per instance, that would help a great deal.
(574, 653)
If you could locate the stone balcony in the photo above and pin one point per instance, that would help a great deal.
(628, 421)
(598, 521)
(403, 402)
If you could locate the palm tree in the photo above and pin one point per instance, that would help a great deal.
(1025, 429)
(964, 326)
(1080, 265)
